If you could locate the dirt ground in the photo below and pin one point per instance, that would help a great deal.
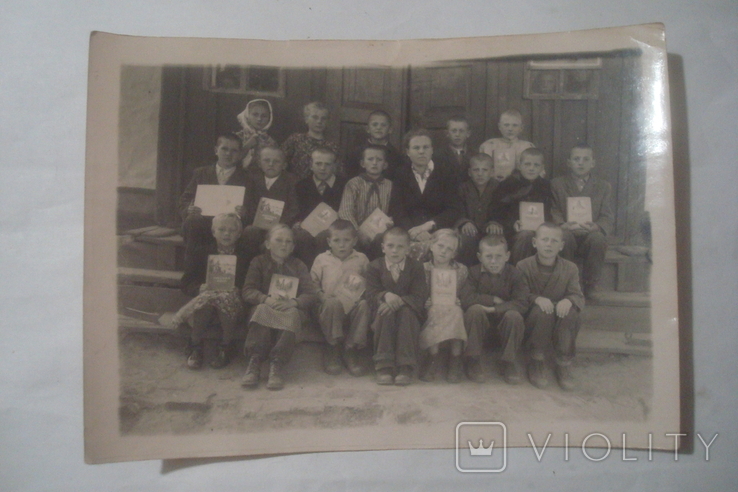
(160, 395)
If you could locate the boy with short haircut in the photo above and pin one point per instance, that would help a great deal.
(328, 270)
(556, 300)
(476, 197)
(587, 241)
(506, 151)
(397, 290)
(272, 182)
(196, 228)
(495, 297)
(299, 147)
(455, 153)
(528, 185)
(322, 186)
(367, 192)
(378, 129)
(255, 120)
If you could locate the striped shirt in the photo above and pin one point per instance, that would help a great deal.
(358, 203)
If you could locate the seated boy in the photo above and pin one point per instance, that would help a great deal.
(195, 227)
(587, 241)
(255, 120)
(397, 291)
(506, 150)
(272, 182)
(556, 300)
(476, 197)
(528, 185)
(455, 154)
(367, 192)
(330, 268)
(495, 297)
(379, 128)
(322, 186)
(299, 146)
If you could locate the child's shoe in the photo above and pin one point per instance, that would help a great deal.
(404, 376)
(474, 370)
(275, 381)
(195, 357)
(253, 373)
(537, 373)
(222, 357)
(455, 369)
(332, 360)
(431, 368)
(564, 377)
(511, 372)
(384, 376)
(351, 359)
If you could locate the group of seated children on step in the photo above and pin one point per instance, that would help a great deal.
(449, 263)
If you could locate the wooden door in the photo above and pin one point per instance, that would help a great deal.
(353, 93)
(439, 92)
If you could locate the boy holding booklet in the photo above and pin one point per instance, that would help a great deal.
(212, 301)
(556, 300)
(270, 198)
(196, 227)
(280, 289)
(522, 202)
(496, 298)
(322, 186)
(368, 193)
(338, 273)
(586, 221)
(397, 291)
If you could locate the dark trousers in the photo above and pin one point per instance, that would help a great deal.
(270, 343)
(207, 315)
(547, 329)
(196, 231)
(522, 246)
(396, 339)
(591, 247)
(509, 327)
(372, 249)
(337, 325)
(308, 247)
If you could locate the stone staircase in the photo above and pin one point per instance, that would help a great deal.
(150, 262)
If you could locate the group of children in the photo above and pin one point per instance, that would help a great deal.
(449, 212)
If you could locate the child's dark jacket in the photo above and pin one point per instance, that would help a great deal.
(410, 285)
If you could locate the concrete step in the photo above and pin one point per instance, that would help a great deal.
(620, 299)
(610, 342)
(165, 278)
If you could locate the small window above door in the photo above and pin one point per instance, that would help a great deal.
(253, 80)
(566, 78)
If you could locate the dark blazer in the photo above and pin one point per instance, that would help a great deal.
(259, 277)
(509, 285)
(439, 202)
(395, 160)
(411, 284)
(206, 175)
(505, 203)
(446, 155)
(196, 267)
(283, 189)
(598, 190)
(476, 206)
(562, 284)
(308, 197)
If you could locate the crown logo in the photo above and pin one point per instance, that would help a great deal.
(481, 450)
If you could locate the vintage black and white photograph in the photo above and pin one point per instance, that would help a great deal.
(482, 249)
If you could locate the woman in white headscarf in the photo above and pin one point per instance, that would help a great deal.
(255, 120)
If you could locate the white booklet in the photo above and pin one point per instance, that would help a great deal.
(579, 209)
(218, 199)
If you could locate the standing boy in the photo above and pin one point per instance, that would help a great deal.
(476, 197)
(506, 150)
(495, 297)
(455, 154)
(397, 290)
(556, 300)
(329, 269)
(322, 186)
(588, 240)
(378, 129)
(195, 227)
